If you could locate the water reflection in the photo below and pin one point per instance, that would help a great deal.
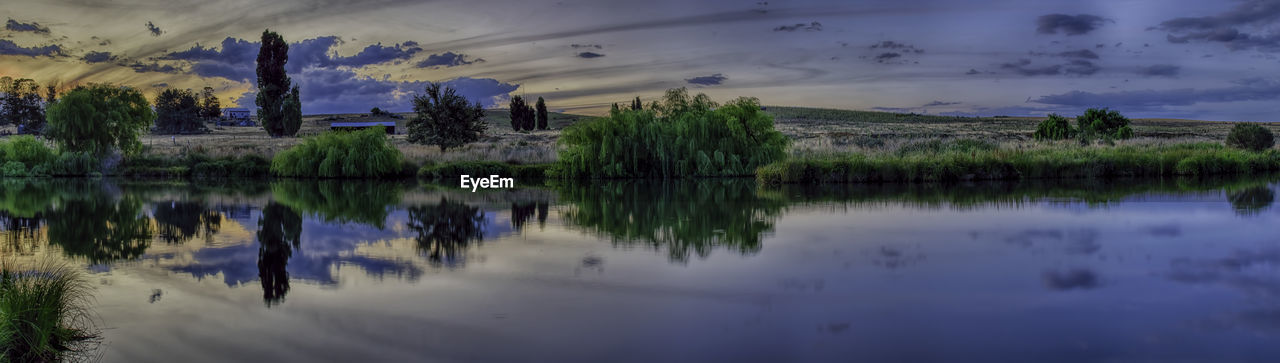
(100, 228)
(446, 229)
(279, 233)
(684, 218)
(180, 221)
(1251, 200)
(365, 202)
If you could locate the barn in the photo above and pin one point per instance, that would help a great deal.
(236, 113)
(352, 126)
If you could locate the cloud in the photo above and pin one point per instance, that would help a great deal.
(1023, 67)
(590, 55)
(889, 44)
(1070, 279)
(1226, 27)
(1080, 67)
(811, 27)
(155, 30)
(1068, 24)
(340, 90)
(887, 56)
(1245, 90)
(940, 103)
(236, 59)
(378, 54)
(8, 47)
(33, 27)
(582, 46)
(1083, 53)
(140, 67)
(98, 57)
(1159, 70)
(712, 80)
(972, 72)
(446, 59)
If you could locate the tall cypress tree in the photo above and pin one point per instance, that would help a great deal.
(636, 105)
(542, 114)
(522, 116)
(274, 88)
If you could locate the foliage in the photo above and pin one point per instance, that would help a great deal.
(21, 104)
(1104, 123)
(26, 150)
(1193, 159)
(279, 108)
(445, 230)
(681, 136)
(935, 146)
(43, 312)
(378, 112)
(1054, 128)
(177, 111)
(339, 154)
(99, 117)
(13, 169)
(366, 202)
(210, 106)
(522, 116)
(1250, 136)
(636, 105)
(100, 228)
(445, 119)
(73, 163)
(541, 113)
(195, 165)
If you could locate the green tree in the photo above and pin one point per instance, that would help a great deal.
(636, 105)
(522, 116)
(274, 88)
(22, 105)
(542, 114)
(99, 117)
(177, 111)
(210, 106)
(1250, 136)
(445, 119)
(1104, 123)
(1055, 127)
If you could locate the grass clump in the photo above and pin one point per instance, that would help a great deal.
(678, 136)
(1250, 137)
(338, 154)
(43, 313)
(1192, 159)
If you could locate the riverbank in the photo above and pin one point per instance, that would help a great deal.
(961, 161)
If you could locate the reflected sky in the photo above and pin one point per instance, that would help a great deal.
(1026, 272)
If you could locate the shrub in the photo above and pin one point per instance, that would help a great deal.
(1250, 137)
(1054, 128)
(1104, 123)
(681, 136)
(43, 313)
(27, 150)
(338, 154)
(13, 169)
(72, 163)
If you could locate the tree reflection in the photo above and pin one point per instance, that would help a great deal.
(100, 228)
(180, 221)
(445, 230)
(366, 202)
(521, 213)
(685, 218)
(1252, 200)
(21, 234)
(279, 233)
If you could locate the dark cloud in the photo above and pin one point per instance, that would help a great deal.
(887, 56)
(155, 30)
(98, 57)
(1070, 279)
(712, 80)
(235, 60)
(140, 67)
(889, 44)
(341, 90)
(446, 59)
(8, 47)
(589, 55)
(1023, 67)
(1226, 27)
(1080, 67)
(1159, 70)
(378, 54)
(33, 27)
(1068, 24)
(1083, 53)
(811, 27)
(972, 72)
(940, 103)
(1245, 90)
(582, 46)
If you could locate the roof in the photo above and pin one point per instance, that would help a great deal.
(236, 109)
(362, 124)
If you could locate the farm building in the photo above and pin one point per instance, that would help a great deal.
(352, 126)
(236, 113)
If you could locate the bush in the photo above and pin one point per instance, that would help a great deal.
(43, 313)
(338, 154)
(70, 163)
(681, 136)
(1054, 128)
(27, 150)
(13, 169)
(1104, 123)
(1250, 137)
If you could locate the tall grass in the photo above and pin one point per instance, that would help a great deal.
(679, 136)
(43, 312)
(338, 154)
(950, 164)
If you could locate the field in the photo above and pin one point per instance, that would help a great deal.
(816, 132)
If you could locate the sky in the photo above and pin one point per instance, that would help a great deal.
(1212, 60)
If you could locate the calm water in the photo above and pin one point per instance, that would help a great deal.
(1174, 270)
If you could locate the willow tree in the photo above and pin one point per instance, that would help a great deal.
(97, 118)
(279, 110)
